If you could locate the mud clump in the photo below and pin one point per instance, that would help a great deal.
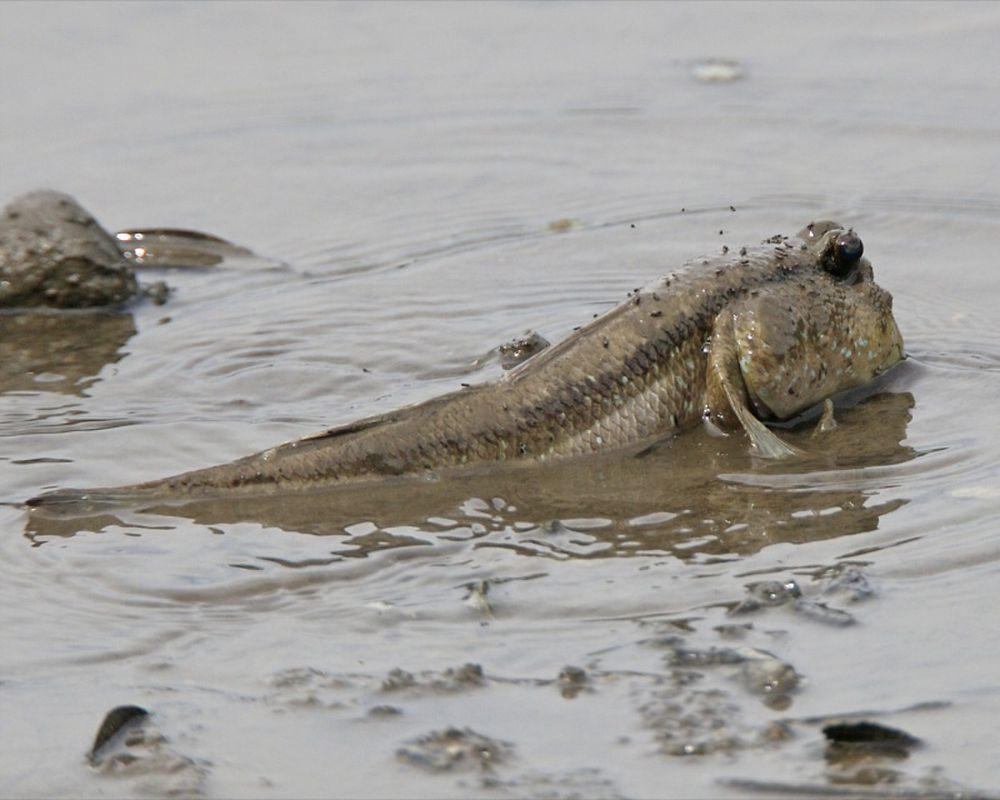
(681, 655)
(771, 678)
(477, 598)
(850, 585)
(455, 749)
(693, 723)
(572, 680)
(770, 594)
(129, 745)
(54, 254)
(519, 350)
(767, 594)
(305, 687)
(453, 679)
(384, 712)
(586, 782)
(377, 697)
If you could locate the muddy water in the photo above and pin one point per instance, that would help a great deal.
(398, 168)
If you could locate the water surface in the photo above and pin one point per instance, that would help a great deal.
(398, 169)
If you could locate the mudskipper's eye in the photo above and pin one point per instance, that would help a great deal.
(847, 252)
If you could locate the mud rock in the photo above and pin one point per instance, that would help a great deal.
(54, 254)
(694, 722)
(455, 749)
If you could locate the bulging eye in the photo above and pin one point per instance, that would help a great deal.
(847, 251)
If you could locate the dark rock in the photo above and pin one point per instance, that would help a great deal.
(850, 741)
(54, 254)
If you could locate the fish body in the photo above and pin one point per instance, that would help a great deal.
(735, 339)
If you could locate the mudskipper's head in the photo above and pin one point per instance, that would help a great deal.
(826, 330)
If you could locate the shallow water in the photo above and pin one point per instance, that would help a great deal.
(397, 168)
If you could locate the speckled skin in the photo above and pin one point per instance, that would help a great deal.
(770, 322)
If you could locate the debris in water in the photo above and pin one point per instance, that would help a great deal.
(562, 225)
(827, 422)
(383, 711)
(158, 292)
(477, 597)
(717, 70)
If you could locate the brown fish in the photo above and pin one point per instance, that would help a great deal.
(735, 340)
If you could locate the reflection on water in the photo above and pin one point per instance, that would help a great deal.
(668, 499)
(64, 351)
(59, 352)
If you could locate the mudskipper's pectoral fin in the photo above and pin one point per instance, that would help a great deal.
(727, 402)
(762, 441)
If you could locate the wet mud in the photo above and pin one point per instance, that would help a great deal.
(682, 621)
